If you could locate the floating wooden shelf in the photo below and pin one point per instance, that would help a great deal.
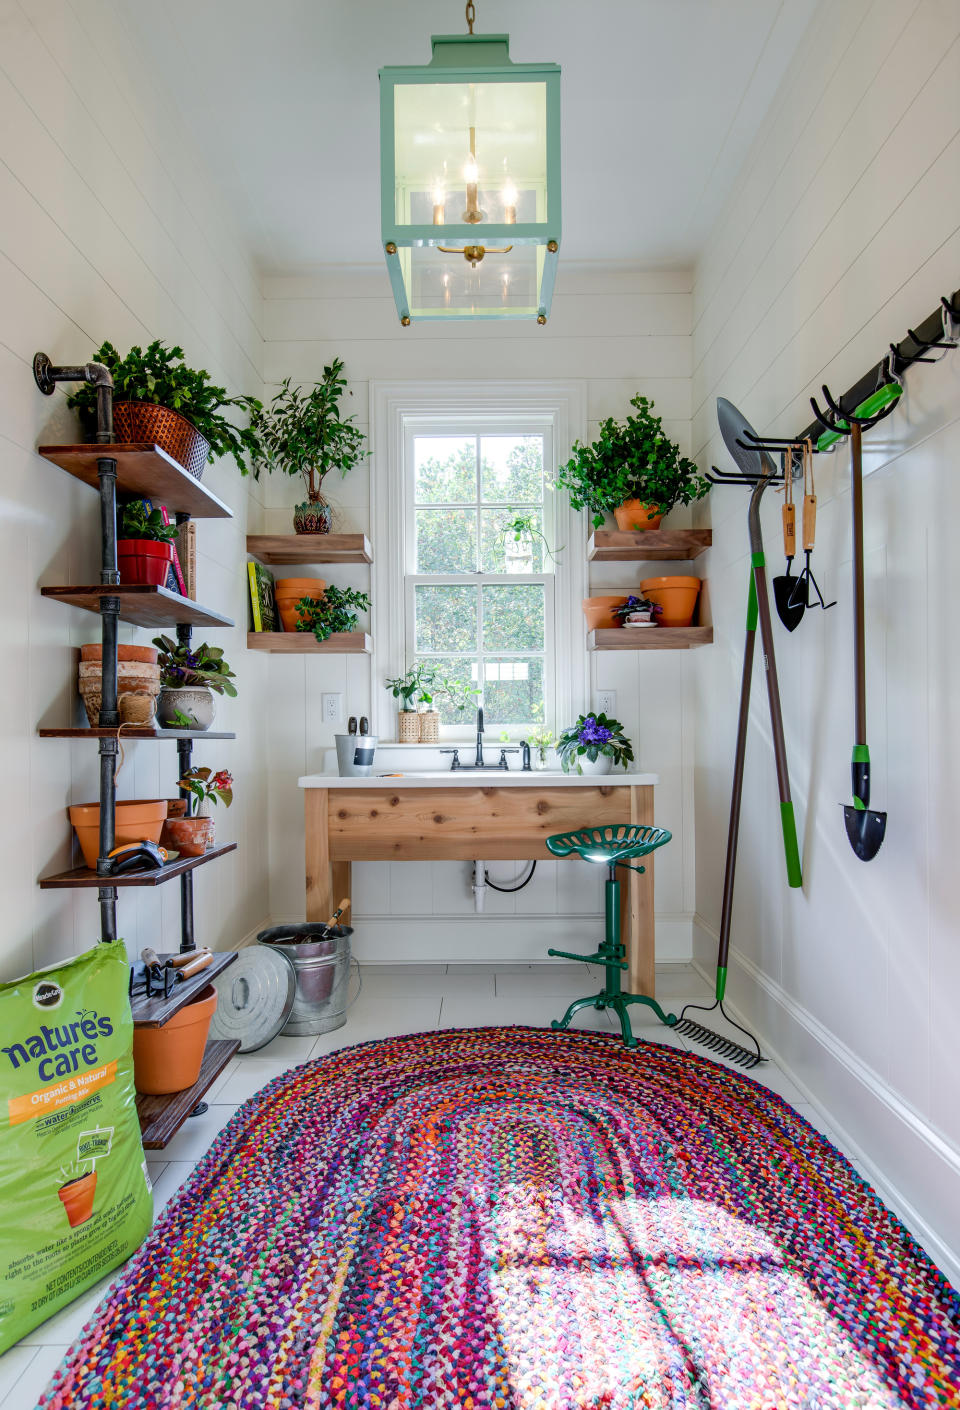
(141, 605)
(301, 643)
(649, 638)
(310, 548)
(133, 732)
(155, 1012)
(145, 471)
(649, 545)
(162, 1117)
(83, 876)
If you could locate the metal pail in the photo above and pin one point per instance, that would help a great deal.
(321, 959)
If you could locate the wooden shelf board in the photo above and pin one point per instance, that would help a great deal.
(141, 605)
(649, 638)
(162, 1117)
(133, 732)
(79, 877)
(154, 1013)
(310, 548)
(300, 643)
(142, 470)
(648, 545)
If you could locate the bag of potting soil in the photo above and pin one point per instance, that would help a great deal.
(74, 1189)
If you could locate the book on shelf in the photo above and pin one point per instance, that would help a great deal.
(186, 551)
(263, 605)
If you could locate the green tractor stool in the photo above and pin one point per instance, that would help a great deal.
(616, 845)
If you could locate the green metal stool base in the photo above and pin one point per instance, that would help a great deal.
(612, 846)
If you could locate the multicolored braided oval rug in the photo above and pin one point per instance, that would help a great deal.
(516, 1218)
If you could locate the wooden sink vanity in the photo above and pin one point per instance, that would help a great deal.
(468, 817)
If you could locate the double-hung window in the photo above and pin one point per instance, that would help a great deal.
(479, 570)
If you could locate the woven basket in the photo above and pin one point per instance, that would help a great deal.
(141, 422)
(408, 731)
(430, 727)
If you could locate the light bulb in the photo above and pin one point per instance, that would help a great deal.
(510, 203)
(471, 172)
(439, 201)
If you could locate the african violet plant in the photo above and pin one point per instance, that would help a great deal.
(160, 376)
(632, 459)
(336, 611)
(182, 666)
(591, 736)
(636, 604)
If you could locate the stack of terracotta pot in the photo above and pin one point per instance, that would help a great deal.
(138, 683)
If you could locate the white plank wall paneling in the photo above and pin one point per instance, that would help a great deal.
(842, 230)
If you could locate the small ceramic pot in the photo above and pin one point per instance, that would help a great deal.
(168, 1059)
(76, 1196)
(602, 764)
(189, 837)
(310, 518)
(677, 596)
(599, 612)
(289, 591)
(633, 516)
(194, 701)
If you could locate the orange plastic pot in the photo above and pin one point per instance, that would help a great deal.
(139, 820)
(188, 836)
(289, 591)
(168, 1059)
(599, 612)
(634, 515)
(93, 651)
(677, 596)
(76, 1196)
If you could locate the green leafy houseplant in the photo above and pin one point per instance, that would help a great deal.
(136, 523)
(520, 527)
(159, 376)
(336, 611)
(414, 687)
(593, 735)
(182, 666)
(632, 459)
(303, 433)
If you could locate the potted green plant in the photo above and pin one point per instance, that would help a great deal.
(638, 612)
(144, 545)
(540, 741)
(303, 433)
(632, 470)
(593, 745)
(159, 400)
(516, 536)
(200, 829)
(414, 687)
(188, 678)
(336, 611)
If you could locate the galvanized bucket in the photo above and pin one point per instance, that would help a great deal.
(320, 955)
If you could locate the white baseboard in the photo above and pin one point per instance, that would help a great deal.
(912, 1167)
(494, 939)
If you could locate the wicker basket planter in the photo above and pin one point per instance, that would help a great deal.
(408, 728)
(430, 727)
(142, 422)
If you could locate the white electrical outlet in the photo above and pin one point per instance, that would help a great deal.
(607, 701)
(331, 707)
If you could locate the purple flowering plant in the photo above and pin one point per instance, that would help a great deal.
(593, 735)
(203, 665)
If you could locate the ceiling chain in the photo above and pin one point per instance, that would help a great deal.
(471, 13)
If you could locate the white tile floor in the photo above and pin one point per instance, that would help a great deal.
(410, 998)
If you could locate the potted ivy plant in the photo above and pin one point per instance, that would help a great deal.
(159, 400)
(189, 676)
(302, 432)
(144, 545)
(336, 611)
(632, 470)
(593, 745)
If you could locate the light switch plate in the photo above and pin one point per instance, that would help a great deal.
(607, 701)
(331, 707)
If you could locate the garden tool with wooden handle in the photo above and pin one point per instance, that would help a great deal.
(789, 606)
(806, 580)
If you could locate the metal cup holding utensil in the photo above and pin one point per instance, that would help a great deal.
(355, 754)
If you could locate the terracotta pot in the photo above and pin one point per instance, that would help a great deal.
(189, 837)
(142, 422)
(599, 612)
(288, 592)
(197, 702)
(138, 820)
(143, 561)
(93, 651)
(176, 808)
(76, 1196)
(634, 516)
(677, 596)
(312, 518)
(168, 1059)
(138, 685)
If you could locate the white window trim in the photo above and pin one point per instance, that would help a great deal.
(392, 405)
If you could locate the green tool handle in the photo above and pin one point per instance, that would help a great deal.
(876, 401)
(791, 850)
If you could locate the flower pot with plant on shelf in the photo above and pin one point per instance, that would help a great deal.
(638, 612)
(159, 400)
(303, 433)
(336, 611)
(289, 591)
(208, 788)
(593, 745)
(188, 678)
(144, 545)
(632, 467)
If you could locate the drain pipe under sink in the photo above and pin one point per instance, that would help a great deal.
(479, 885)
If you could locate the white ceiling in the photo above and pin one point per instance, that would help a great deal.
(661, 100)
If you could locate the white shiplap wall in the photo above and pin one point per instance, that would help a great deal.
(843, 229)
(112, 229)
(621, 331)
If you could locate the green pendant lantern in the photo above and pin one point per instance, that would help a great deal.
(470, 181)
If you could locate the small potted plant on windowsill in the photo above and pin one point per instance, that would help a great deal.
(303, 433)
(638, 612)
(199, 831)
(540, 741)
(415, 686)
(188, 678)
(159, 400)
(632, 470)
(593, 745)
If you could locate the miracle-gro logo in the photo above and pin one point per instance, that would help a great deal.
(64, 1049)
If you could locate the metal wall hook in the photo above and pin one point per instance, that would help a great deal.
(950, 319)
(846, 418)
(906, 359)
(724, 478)
(937, 343)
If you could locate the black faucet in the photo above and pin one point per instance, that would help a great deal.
(478, 761)
(525, 751)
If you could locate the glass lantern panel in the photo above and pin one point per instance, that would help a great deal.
(436, 171)
(442, 285)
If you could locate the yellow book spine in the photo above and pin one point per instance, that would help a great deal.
(254, 597)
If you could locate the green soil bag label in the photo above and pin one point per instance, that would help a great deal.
(73, 1181)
